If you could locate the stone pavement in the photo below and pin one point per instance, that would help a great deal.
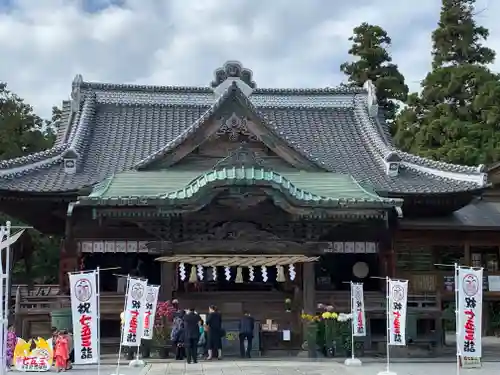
(290, 367)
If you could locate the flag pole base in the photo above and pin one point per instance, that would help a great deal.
(137, 363)
(352, 362)
(386, 373)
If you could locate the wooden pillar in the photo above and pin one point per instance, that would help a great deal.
(68, 261)
(467, 256)
(308, 300)
(167, 279)
(308, 288)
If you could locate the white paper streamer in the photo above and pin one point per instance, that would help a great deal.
(199, 268)
(263, 270)
(214, 273)
(227, 272)
(251, 275)
(182, 271)
(291, 272)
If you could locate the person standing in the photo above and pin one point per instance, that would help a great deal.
(192, 335)
(62, 352)
(177, 337)
(215, 333)
(246, 328)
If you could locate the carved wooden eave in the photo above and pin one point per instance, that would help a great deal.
(247, 247)
(230, 260)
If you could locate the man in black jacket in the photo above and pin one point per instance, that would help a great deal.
(246, 328)
(192, 335)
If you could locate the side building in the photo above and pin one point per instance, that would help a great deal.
(277, 193)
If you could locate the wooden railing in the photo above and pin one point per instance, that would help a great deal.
(111, 303)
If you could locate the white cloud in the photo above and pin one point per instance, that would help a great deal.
(180, 42)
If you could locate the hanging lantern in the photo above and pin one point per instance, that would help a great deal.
(192, 275)
(291, 272)
(214, 273)
(263, 270)
(239, 275)
(280, 274)
(199, 271)
(251, 274)
(227, 272)
(182, 271)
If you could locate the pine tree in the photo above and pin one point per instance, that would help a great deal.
(456, 117)
(373, 61)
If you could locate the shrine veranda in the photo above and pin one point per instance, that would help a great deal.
(221, 181)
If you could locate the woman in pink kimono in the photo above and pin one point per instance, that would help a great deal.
(11, 345)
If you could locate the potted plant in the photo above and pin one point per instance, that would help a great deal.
(311, 323)
(161, 330)
(330, 323)
(288, 305)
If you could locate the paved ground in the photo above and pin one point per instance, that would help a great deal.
(289, 367)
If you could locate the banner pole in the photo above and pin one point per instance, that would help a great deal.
(457, 318)
(352, 322)
(6, 296)
(98, 279)
(387, 295)
(120, 347)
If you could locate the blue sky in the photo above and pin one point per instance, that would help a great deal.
(299, 43)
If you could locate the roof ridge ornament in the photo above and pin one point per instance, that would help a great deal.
(372, 100)
(76, 92)
(233, 71)
(243, 156)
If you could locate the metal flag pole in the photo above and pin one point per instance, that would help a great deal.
(98, 281)
(352, 321)
(457, 317)
(122, 333)
(4, 231)
(388, 322)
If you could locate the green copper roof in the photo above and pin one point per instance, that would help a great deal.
(168, 186)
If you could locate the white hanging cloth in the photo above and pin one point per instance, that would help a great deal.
(182, 271)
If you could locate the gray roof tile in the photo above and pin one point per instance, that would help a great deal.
(119, 127)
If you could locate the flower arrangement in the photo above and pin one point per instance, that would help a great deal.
(327, 327)
(164, 315)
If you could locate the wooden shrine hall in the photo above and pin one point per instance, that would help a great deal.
(229, 188)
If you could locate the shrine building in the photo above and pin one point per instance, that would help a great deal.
(242, 196)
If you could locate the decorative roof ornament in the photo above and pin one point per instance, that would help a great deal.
(372, 98)
(76, 93)
(233, 71)
(241, 157)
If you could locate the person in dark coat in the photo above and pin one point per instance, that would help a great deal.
(177, 338)
(215, 333)
(191, 335)
(246, 327)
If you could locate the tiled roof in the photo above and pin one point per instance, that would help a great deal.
(324, 189)
(115, 128)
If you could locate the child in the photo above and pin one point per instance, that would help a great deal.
(62, 352)
(202, 341)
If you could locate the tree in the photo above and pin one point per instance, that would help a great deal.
(370, 47)
(456, 117)
(22, 132)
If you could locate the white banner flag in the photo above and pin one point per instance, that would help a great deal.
(149, 316)
(398, 297)
(358, 310)
(135, 308)
(470, 307)
(84, 313)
